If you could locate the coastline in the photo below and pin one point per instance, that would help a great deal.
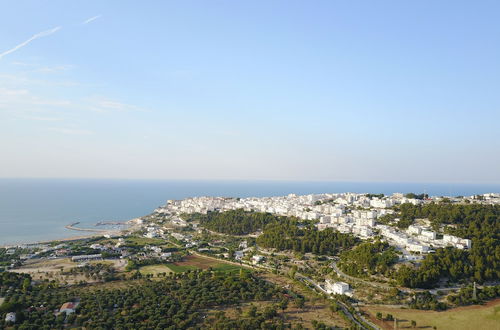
(53, 203)
(65, 239)
(92, 234)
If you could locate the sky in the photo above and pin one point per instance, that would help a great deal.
(397, 91)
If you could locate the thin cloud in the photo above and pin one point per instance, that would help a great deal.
(12, 92)
(39, 118)
(87, 21)
(71, 131)
(35, 36)
(53, 69)
(106, 105)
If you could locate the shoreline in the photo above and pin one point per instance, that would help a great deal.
(64, 239)
(92, 233)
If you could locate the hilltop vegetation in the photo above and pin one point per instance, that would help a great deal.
(235, 222)
(368, 259)
(468, 220)
(480, 223)
(291, 235)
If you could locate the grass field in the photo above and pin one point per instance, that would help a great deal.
(155, 269)
(196, 262)
(462, 318)
(141, 241)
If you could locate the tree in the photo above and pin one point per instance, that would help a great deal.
(300, 302)
(334, 307)
(283, 304)
(252, 311)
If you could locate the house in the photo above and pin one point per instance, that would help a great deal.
(166, 255)
(86, 257)
(151, 234)
(10, 317)
(62, 252)
(97, 247)
(257, 259)
(238, 255)
(68, 307)
(336, 287)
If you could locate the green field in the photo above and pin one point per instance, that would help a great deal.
(197, 262)
(462, 318)
(141, 241)
(191, 263)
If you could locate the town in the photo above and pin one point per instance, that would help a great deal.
(347, 213)
(179, 236)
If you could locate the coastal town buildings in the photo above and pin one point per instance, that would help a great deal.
(353, 213)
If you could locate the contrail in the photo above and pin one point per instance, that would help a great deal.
(91, 19)
(35, 36)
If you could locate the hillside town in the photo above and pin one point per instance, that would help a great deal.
(175, 239)
(345, 212)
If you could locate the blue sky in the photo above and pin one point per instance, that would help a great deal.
(400, 91)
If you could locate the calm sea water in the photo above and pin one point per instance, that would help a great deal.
(38, 209)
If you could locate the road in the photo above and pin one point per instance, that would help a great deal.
(340, 303)
(355, 279)
(299, 277)
(387, 287)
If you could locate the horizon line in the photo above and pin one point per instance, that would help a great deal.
(256, 180)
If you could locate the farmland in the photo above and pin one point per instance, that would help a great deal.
(470, 317)
(155, 270)
(197, 262)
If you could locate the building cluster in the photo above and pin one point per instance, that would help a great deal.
(308, 207)
(346, 212)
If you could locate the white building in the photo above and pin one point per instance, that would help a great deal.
(257, 259)
(416, 247)
(336, 287)
(412, 229)
(428, 234)
(86, 257)
(10, 317)
(238, 255)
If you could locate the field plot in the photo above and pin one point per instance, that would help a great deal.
(141, 241)
(48, 269)
(155, 269)
(463, 318)
(196, 262)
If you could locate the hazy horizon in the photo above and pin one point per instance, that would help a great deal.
(453, 183)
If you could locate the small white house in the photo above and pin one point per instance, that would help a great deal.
(336, 287)
(151, 234)
(238, 255)
(257, 259)
(10, 317)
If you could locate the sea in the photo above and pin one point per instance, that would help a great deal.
(34, 210)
